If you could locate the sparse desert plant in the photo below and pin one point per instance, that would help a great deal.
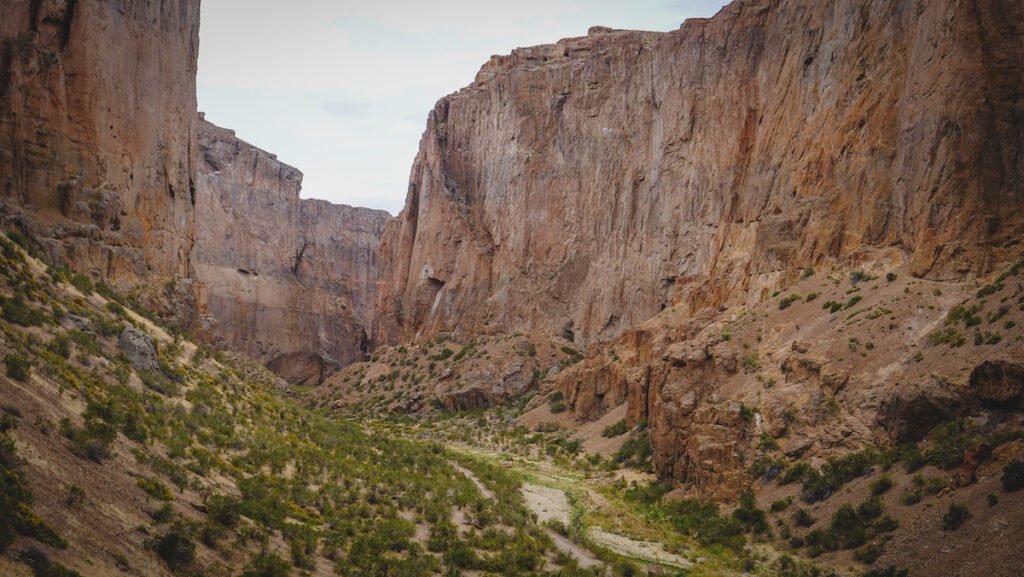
(18, 367)
(615, 429)
(788, 301)
(803, 518)
(955, 517)
(881, 485)
(1013, 475)
(176, 547)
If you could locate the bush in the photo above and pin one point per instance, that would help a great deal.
(890, 276)
(17, 311)
(92, 442)
(881, 485)
(614, 430)
(803, 518)
(75, 497)
(788, 301)
(636, 451)
(176, 547)
(851, 527)
(82, 283)
(267, 565)
(154, 488)
(18, 367)
(1013, 475)
(558, 407)
(955, 517)
(42, 566)
(748, 515)
(869, 553)
(818, 486)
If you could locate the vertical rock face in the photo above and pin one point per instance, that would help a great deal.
(97, 102)
(285, 280)
(578, 188)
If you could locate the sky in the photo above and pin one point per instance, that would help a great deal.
(341, 89)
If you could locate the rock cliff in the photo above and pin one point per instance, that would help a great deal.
(286, 280)
(579, 188)
(97, 104)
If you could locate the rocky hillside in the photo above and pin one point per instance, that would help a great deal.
(126, 451)
(578, 188)
(105, 168)
(288, 281)
(96, 137)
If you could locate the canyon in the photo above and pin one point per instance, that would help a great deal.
(579, 188)
(285, 280)
(768, 240)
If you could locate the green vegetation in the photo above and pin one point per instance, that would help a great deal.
(788, 301)
(18, 367)
(636, 452)
(155, 489)
(851, 527)
(1013, 475)
(16, 515)
(881, 485)
(616, 429)
(955, 517)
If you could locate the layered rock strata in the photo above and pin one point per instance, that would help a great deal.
(97, 105)
(579, 188)
(285, 280)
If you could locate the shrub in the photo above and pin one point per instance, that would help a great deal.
(881, 485)
(890, 277)
(224, 510)
(82, 283)
(17, 311)
(748, 515)
(780, 505)
(818, 486)
(788, 301)
(42, 566)
(176, 547)
(955, 517)
(154, 488)
(614, 430)
(1013, 475)
(75, 497)
(92, 442)
(636, 451)
(18, 367)
(267, 565)
(803, 518)
(558, 407)
(869, 553)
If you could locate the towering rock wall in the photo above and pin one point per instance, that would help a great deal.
(285, 280)
(580, 187)
(97, 104)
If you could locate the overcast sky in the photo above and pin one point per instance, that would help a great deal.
(341, 89)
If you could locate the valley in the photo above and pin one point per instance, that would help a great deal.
(744, 298)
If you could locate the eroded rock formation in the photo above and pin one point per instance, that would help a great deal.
(97, 104)
(285, 280)
(578, 188)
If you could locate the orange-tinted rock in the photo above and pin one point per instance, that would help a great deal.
(285, 280)
(97, 104)
(578, 188)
